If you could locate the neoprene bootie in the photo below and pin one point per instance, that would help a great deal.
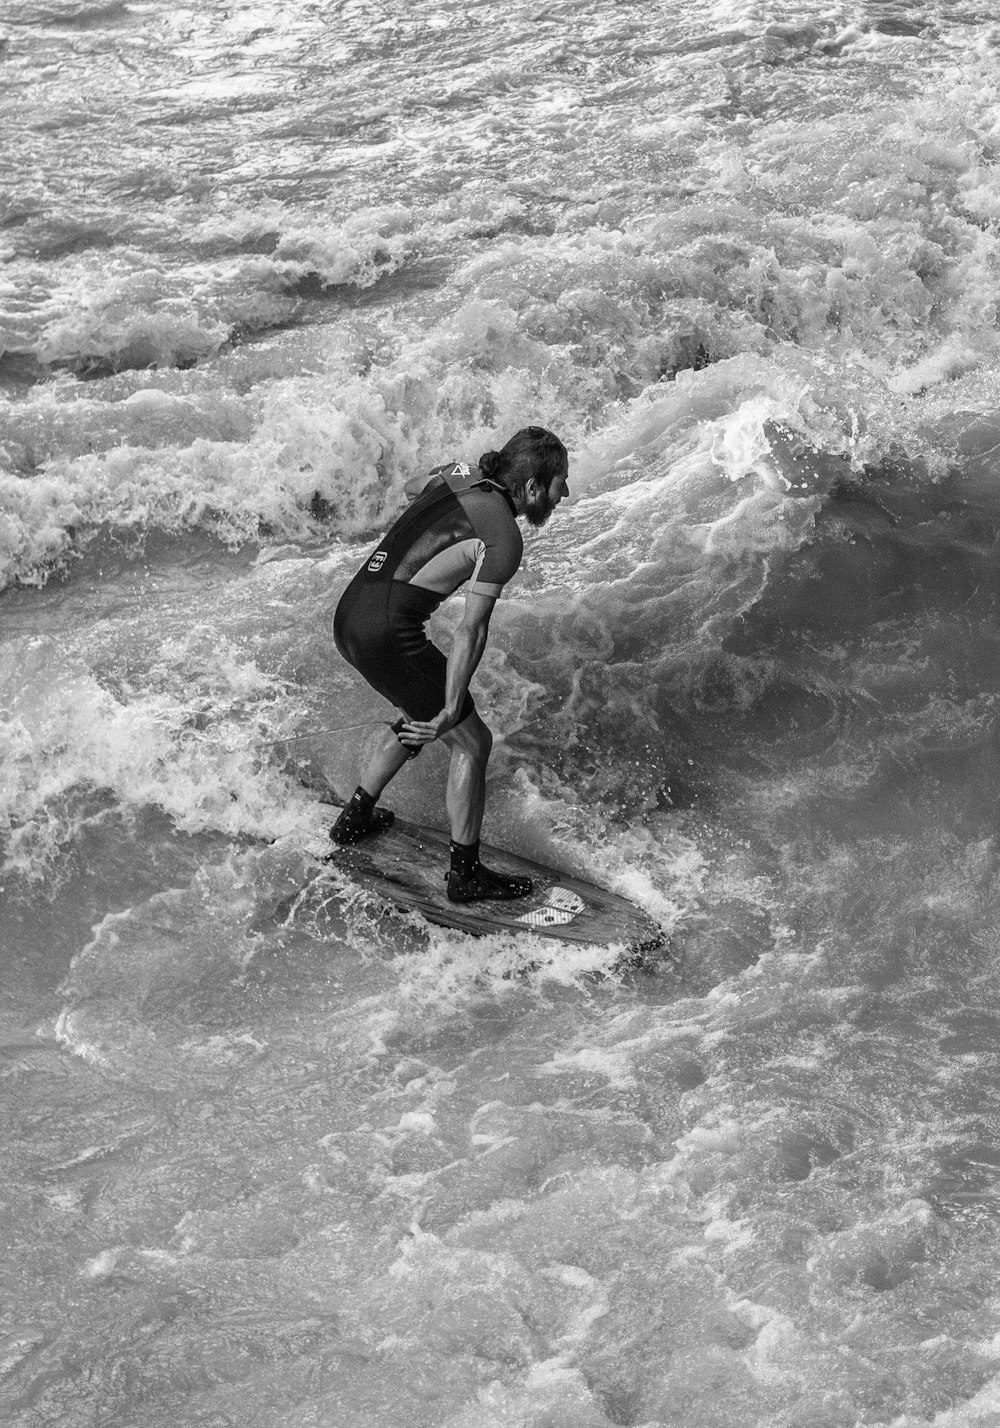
(470, 881)
(361, 819)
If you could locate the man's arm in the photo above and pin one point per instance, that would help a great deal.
(463, 660)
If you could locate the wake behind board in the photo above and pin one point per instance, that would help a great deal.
(406, 867)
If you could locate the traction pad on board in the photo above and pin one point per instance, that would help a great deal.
(559, 908)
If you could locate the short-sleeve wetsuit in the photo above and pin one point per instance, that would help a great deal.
(461, 527)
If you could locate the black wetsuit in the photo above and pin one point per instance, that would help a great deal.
(461, 527)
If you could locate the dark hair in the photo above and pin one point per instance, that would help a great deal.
(532, 451)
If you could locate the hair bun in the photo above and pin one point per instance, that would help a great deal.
(490, 462)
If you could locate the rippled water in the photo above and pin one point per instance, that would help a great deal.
(258, 264)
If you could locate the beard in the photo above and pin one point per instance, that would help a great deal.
(537, 509)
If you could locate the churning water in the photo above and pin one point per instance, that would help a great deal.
(260, 262)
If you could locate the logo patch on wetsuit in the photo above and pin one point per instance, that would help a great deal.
(560, 906)
(460, 469)
(378, 560)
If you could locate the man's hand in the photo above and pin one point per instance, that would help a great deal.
(417, 731)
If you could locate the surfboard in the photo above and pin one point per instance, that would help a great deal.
(405, 868)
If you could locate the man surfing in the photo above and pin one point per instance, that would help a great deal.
(461, 526)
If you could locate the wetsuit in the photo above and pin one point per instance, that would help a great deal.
(461, 527)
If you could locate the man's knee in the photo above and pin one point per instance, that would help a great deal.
(472, 737)
(485, 741)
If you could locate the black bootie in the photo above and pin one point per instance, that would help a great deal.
(361, 819)
(470, 881)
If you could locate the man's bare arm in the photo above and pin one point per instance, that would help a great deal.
(463, 660)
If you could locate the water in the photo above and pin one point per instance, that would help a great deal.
(259, 264)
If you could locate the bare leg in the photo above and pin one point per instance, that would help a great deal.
(468, 879)
(359, 818)
(384, 762)
(470, 743)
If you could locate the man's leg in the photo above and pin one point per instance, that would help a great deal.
(384, 763)
(470, 743)
(360, 818)
(468, 881)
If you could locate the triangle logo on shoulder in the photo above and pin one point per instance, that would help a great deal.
(460, 469)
